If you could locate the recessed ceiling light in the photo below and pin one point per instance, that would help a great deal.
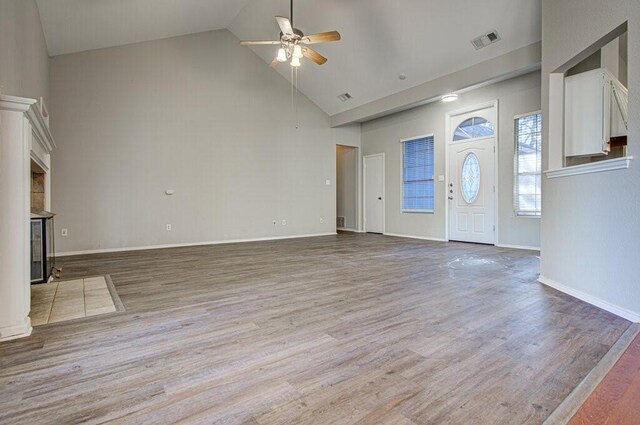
(451, 97)
(402, 76)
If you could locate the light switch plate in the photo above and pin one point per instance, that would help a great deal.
(328, 182)
(440, 178)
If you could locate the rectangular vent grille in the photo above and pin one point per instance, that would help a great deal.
(485, 40)
(344, 97)
(340, 222)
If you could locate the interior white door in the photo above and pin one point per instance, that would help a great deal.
(471, 182)
(374, 193)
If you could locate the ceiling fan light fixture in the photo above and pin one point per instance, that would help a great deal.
(282, 55)
(451, 97)
(297, 51)
(295, 62)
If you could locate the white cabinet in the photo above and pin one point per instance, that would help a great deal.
(592, 112)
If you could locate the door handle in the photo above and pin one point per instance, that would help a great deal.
(379, 198)
(451, 198)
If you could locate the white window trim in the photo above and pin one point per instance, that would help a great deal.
(409, 139)
(516, 169)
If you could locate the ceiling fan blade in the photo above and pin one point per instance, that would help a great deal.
(285, 25)
(314, 56)
(275, 62)
(321, 37)
(259, 42)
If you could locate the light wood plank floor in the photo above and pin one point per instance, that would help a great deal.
(347, 329)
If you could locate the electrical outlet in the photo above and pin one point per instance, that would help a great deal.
(64, 232)
(327, 182)
(321, 220)
(168, 227)
(284, 222)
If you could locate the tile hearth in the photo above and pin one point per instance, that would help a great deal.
(59, 301)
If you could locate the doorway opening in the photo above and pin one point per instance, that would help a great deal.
(346, 188)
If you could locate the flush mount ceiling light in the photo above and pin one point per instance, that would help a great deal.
(451, 97)
(294, 43)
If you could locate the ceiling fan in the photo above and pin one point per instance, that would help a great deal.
(293, 43)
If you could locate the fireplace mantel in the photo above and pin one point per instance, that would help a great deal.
(24, 136)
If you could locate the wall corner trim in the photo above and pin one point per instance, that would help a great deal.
(605, 305)
(593, 167)
(182, 245)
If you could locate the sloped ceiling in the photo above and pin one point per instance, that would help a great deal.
(381, 39)
(424, 39)
(76, 25)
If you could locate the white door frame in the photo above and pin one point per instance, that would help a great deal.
(364, 191)
(449, 139)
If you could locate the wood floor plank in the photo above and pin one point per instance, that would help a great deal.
(346, 329)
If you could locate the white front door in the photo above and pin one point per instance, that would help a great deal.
(374, 193)
(471, 182)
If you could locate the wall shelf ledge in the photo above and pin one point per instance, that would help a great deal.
(593, 167)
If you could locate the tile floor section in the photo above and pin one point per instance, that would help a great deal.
(73, 299)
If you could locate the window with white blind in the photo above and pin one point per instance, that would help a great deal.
(417, 174)
(528, 165)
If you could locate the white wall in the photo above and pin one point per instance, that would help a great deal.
(515, 96)
(24, 63)
(198, 114)
(347, 185)
(590, 226)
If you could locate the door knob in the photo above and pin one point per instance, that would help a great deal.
(379, 198)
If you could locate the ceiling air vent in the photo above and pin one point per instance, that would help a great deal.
(485, 40)
(344, 97)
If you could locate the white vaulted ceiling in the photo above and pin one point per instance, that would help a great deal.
(76, 25)
(424, 39)
(381, 39)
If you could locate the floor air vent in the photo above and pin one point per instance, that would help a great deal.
(340, 222)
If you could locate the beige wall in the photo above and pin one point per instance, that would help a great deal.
(198, 114)
(24, 63)
(515, 96)
(590, 225)
(347, 185)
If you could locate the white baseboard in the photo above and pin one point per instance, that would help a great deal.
(605, 305)
(182, 245)
(415, 237)
(347, 229)
(16, 331)
(528, 248)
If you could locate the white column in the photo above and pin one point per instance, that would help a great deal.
(15, 136)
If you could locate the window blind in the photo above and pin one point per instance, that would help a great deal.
(528, 165)
(417, 174)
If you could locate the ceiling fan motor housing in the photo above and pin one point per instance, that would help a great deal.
(297, 35)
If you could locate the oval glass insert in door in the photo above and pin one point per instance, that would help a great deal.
(470, 178)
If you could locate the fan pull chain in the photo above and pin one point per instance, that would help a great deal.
(296, 99)
(294, 96)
